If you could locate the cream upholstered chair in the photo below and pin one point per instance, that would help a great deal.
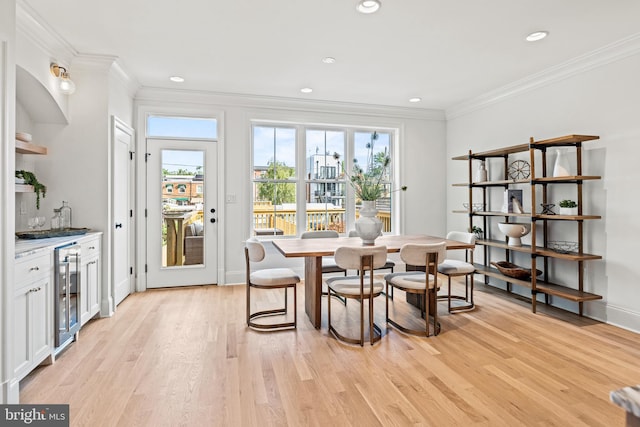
(389, 264)
(362, 287)
(423, 283)
(270, 278)
(328, 262)
(456, 268)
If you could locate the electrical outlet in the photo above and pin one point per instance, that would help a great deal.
(231, 198)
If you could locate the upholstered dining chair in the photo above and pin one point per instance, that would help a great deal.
(388, 265)
(363, 287)
(457, 268)
(328, 262)
(270, 278)
(423, 283)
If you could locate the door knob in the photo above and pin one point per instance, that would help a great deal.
(212, 220)
(213, 210)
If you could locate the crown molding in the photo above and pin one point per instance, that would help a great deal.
(125, 78)
(605, 55)
(34, 28)
(185, 96)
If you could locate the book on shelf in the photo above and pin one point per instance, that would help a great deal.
(512, 201)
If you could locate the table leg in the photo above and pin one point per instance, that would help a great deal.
(313, 290)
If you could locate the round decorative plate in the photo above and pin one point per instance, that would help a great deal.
(519, 169)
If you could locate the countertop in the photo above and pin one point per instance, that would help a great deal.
(26, 247)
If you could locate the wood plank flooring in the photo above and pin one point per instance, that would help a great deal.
(184, 357)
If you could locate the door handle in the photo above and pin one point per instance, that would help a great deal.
(212, 220)
(118, 225)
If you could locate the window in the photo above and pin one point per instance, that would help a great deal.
(169, 188)
(274, 181)
(289, 198)
(182, 188)
(199, 189)
(182, 127)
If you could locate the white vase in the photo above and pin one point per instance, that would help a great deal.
(561, 167)
(481, 173)
(368, 226)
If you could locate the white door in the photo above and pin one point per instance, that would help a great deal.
(122, 226)
(182, 232)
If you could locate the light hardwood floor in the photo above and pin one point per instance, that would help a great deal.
(184, 357)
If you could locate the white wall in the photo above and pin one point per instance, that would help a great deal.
(421, 165)
(601, 101)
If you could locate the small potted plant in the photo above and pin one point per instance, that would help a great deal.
(568, 207)
(477, 231)
(30, 179)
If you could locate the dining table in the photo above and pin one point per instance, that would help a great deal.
(314, 249)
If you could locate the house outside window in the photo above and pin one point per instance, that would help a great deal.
(289, 199)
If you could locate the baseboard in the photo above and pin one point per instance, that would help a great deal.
(623, 318)
(10, 392)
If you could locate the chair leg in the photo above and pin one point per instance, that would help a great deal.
(433, 295)
(248, 303)
(426, 311)
(295, 306)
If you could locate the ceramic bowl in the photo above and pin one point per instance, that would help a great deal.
(514, 230)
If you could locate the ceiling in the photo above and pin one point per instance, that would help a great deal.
(445, 52)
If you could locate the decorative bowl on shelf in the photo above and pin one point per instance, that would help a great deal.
(475, 207)
(563, 246)
(513, 270)
(515, 230)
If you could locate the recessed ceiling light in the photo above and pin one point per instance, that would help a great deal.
(537, 35)
(328, 60)
(176, 79)
(368, 6)
(306, 90)
(415, 99)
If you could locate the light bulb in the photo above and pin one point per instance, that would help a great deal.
(67, 86)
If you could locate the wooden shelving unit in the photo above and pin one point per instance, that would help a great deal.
(24, 188)
(538, 250)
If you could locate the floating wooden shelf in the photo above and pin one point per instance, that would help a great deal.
(29, 148)
(24, 188)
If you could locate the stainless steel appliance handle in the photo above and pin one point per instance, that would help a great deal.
(67, 275)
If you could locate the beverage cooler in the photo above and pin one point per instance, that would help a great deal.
(67, 293)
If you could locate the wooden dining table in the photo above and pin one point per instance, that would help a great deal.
(314, 249)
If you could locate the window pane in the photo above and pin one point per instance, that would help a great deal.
(182, 127)
(274, 174)
(324, 170)
(370, 150)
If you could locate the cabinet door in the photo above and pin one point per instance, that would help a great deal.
(93, 284)
(21, 338)
(40, 320)
(90, 289)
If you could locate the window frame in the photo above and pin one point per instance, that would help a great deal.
(301, 180)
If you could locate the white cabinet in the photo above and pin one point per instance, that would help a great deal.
(90, 289)
(33, 334)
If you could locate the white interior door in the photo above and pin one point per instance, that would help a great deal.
(122, 227)
(182, 232)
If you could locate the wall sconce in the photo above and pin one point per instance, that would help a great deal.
(67, 86)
